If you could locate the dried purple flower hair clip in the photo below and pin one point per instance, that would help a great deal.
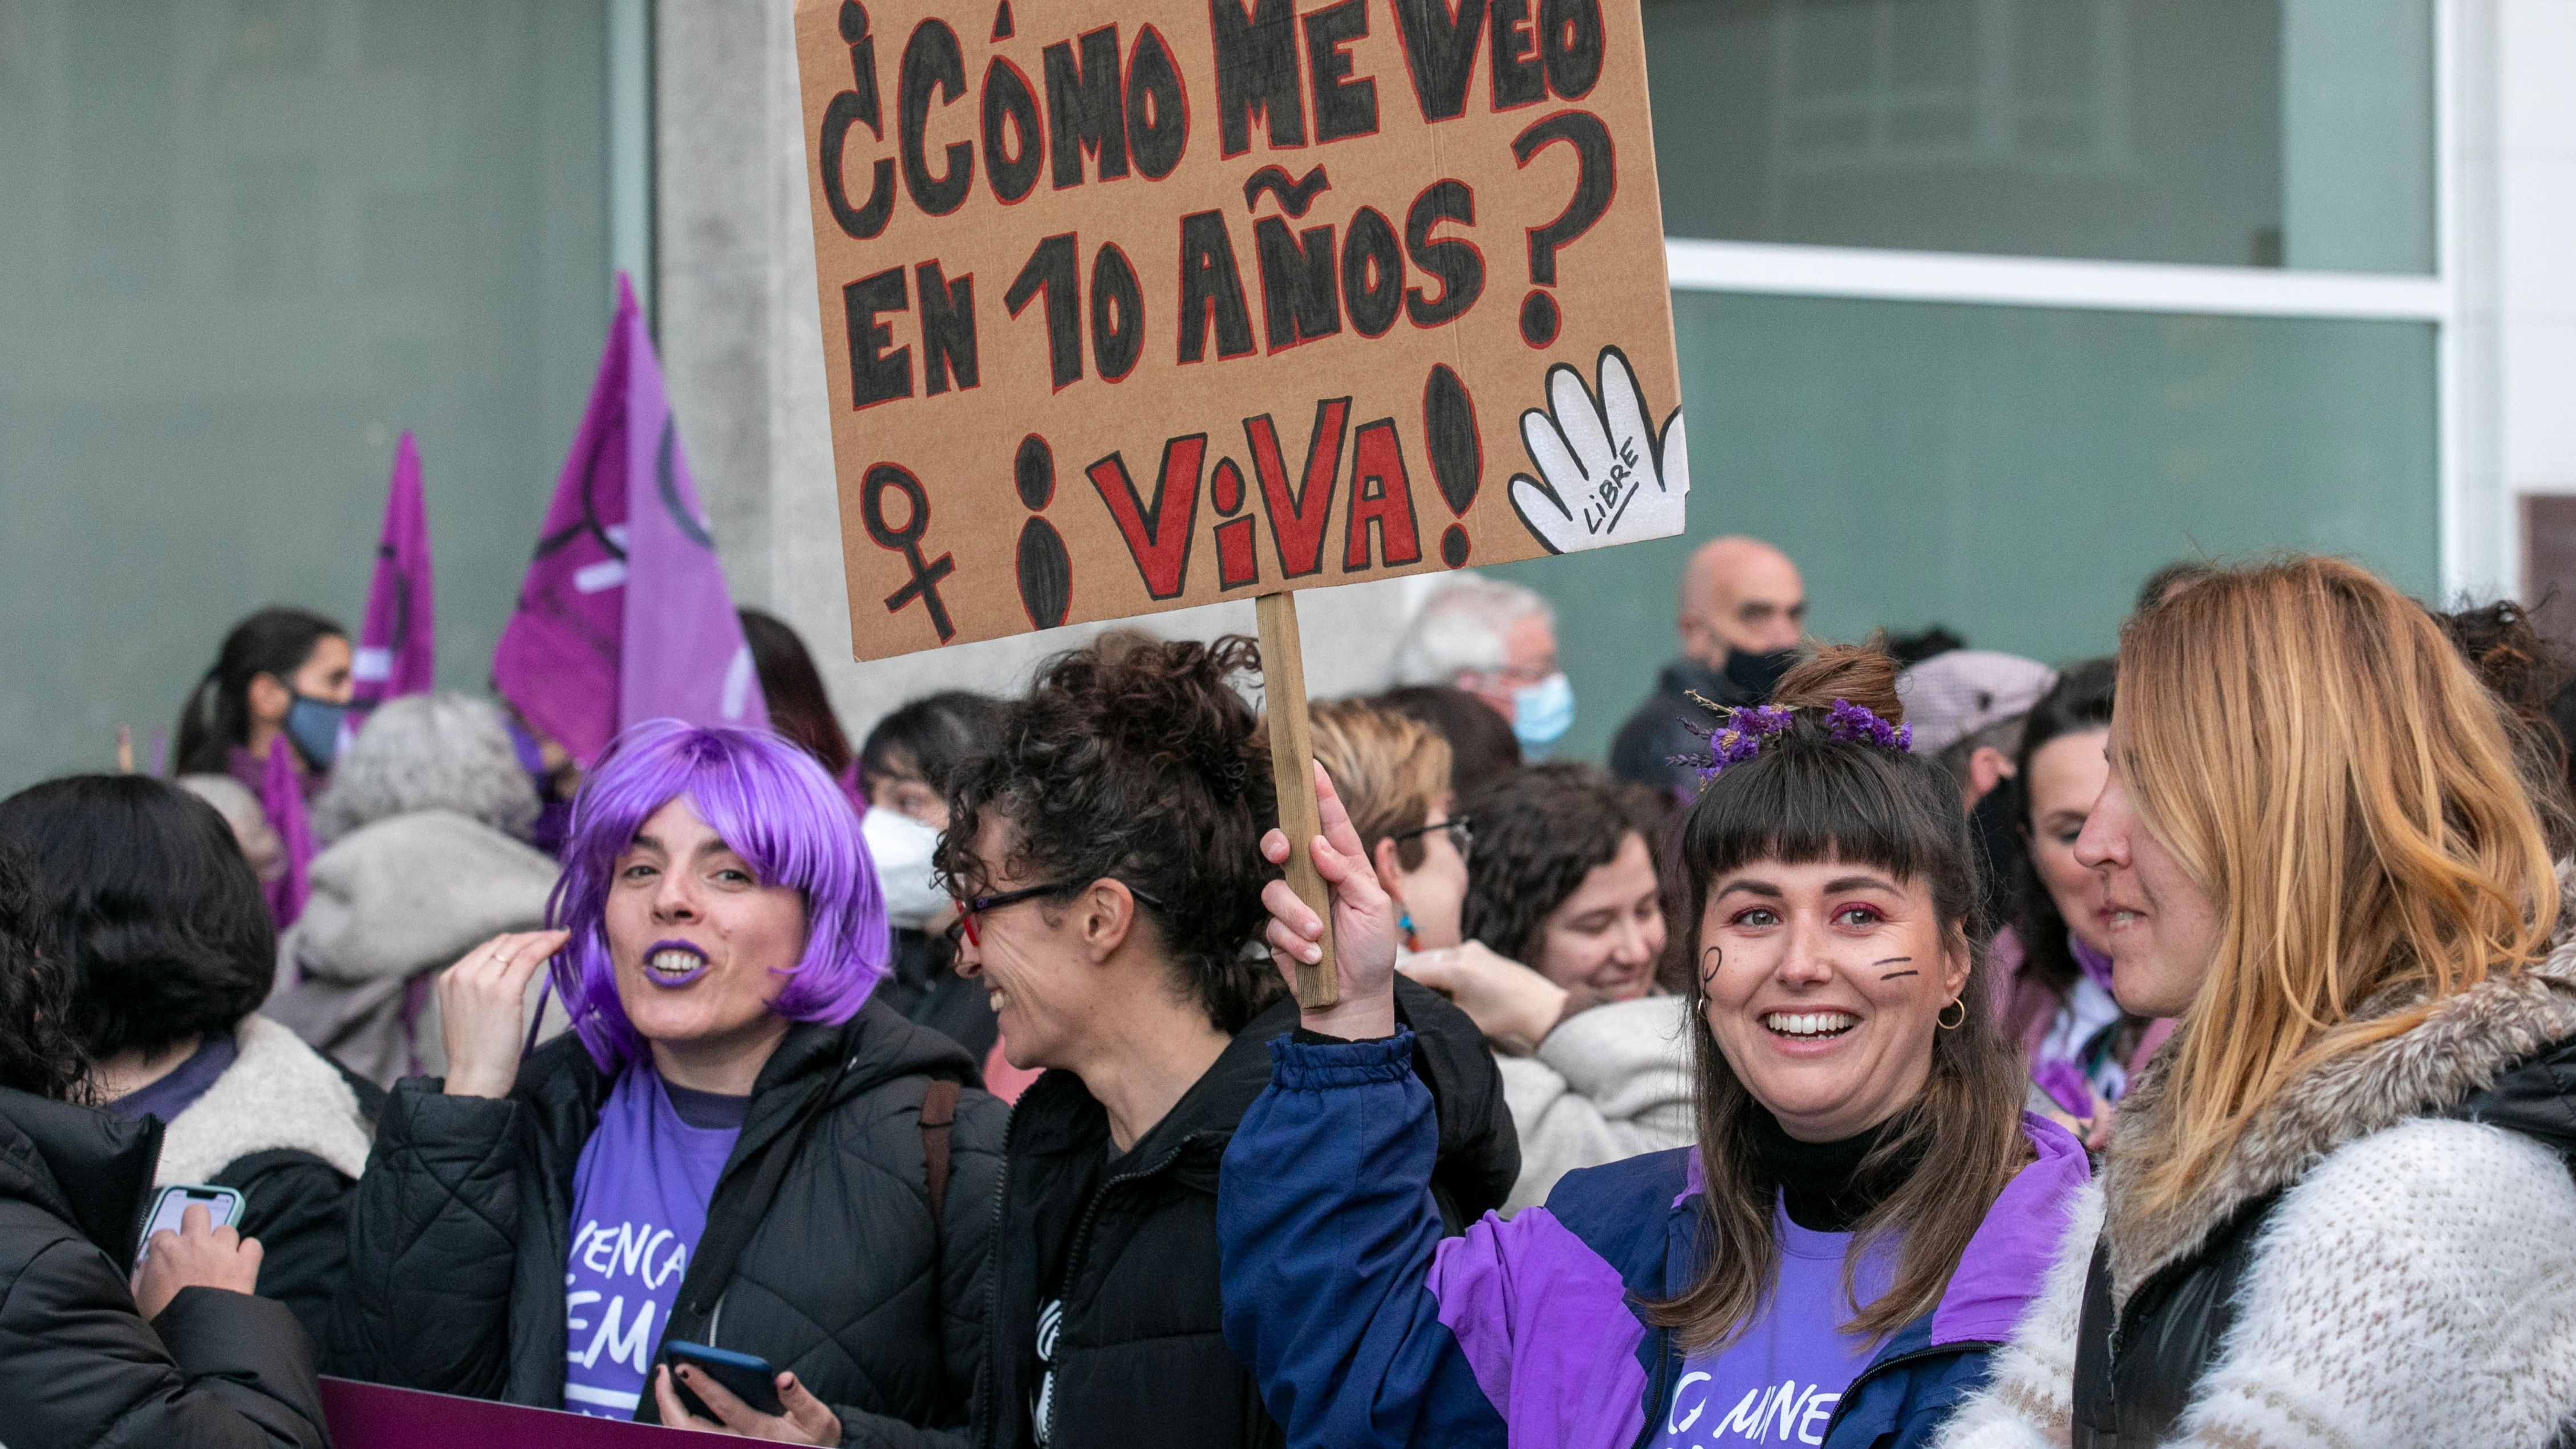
(1741, 737)
(1748, 728)
(1858, 723)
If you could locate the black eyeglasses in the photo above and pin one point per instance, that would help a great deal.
(1462, 834)
(968, 910)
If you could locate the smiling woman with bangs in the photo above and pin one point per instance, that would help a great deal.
(692, 1162)
(1864, 1217)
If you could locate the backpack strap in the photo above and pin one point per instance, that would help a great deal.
(938, 1114)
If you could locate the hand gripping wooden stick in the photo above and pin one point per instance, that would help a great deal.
(1292, 771)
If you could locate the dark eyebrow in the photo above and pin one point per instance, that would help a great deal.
(1859, 883)
(1764, 889)
(715, 845)
(643, 841)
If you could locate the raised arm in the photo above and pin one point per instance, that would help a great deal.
(1331, 1252)
(1325, 1215)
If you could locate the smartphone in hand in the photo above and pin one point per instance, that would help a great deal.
(749, 1377)
(223, 1207)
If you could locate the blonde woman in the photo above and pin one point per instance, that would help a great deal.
(2332, 1212)
(1393, 773)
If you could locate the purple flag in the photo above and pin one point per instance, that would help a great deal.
(281, 798)
(398, 644)
(585, 654)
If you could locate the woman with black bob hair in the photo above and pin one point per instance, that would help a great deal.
(172, 951)
(281, 671)
(1862, 1221)
(1104, 856)
(179, 1354)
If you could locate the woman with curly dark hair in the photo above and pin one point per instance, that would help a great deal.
(180, 1354)
(1106, 861)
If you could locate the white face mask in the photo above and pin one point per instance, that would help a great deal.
(901, 847)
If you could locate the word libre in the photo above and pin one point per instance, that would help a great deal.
(1173, 301)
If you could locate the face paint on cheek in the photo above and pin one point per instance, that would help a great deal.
(1710, 963)
(1894, 961)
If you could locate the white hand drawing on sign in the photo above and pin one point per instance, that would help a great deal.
(1605, 476)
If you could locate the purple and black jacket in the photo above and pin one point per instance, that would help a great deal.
(1366, 1328)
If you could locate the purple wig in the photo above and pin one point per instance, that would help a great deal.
(774, 806)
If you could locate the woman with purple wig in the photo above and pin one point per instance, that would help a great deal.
(737, 1145)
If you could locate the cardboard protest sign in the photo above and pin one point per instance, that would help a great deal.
(1130, 305)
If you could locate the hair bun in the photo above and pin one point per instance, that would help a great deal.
(1173, 700)
(1862, 674)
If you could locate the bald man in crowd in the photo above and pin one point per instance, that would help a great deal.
(1743, 612)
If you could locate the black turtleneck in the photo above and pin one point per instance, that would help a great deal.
(1821, 1183)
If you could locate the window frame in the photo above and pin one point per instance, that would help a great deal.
(2478, 534)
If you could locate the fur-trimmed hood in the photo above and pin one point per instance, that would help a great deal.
(2460, 1048)
(278, 1093)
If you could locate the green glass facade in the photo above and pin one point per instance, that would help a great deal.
(247, 244)
(2011, 472)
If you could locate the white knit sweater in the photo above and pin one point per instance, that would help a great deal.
(2418, 1288)
(1608, 1083)
(2415, 1286)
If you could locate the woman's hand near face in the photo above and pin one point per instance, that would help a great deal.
(1363, 924)
(481, 1000)
(806, 1421)
(1512, 1005)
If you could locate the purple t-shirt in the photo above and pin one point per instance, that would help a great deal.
(639, 1194)
(1778, 1383)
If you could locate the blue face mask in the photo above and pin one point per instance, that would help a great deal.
(314, 726)
(1541, 714)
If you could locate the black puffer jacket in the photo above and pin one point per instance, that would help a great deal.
(1131, 1248)
(78, 1365)
(459, 1231)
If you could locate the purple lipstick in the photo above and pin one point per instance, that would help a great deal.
(674, 964)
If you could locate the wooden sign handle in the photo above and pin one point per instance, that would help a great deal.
(1292, 771)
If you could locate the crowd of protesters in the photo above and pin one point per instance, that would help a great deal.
(1900, 1045)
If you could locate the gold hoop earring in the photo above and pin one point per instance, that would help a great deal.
(1944, 1022)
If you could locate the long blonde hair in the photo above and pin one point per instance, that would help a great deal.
(2317, 757)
